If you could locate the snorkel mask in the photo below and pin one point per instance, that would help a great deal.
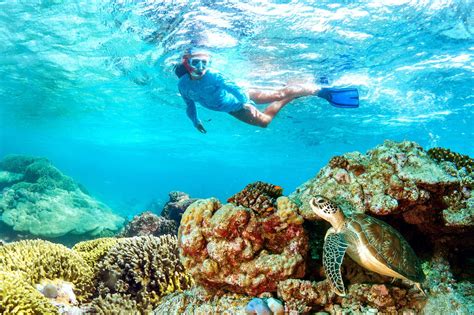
(197, 61)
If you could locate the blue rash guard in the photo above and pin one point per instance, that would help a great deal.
(212, 91)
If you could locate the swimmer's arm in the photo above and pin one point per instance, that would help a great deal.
(191, 111)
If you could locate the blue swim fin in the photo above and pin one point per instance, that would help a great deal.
(341, 97)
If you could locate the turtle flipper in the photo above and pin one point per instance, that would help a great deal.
(335, 246)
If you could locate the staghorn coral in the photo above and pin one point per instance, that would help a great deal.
(459, 160)
(234, 248)
(47, 203)
(148, 223)
(94, 250)
(196, 301)
(18, 296)
(39, 260)
(146, 268)
(258, 196)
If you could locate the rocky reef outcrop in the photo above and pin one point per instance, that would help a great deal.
(38, 199)
(401, 182)
(148, 223)
(176, 205)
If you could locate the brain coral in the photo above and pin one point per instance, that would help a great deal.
(47, 203)
(17, 296)
(38, 260)
(145, 267)
(235, 248)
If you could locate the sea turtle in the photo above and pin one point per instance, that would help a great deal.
(371, 243)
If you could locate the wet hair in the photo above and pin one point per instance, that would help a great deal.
(180, 70)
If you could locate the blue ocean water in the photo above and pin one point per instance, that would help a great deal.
(90, 85)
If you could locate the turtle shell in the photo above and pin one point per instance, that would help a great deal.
(387, 245)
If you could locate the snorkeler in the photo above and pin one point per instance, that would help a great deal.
(198, 83)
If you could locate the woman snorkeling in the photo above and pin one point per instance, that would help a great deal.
(200, 84)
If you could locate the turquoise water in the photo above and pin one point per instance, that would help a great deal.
(90, 85)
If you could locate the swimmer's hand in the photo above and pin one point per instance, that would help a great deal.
(201, 128)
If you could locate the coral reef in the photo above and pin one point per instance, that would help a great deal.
(94, 250)
(38, 260)
(145, 268)
(401, 182)
(459, 160)
(301, 296)
(49, 204)
(115, 304)
(237, 249)
(175, 207)
(17, 296)
(258, 196)
(148, 223)
(196, 301)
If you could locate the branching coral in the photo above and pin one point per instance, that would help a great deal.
(146, 268)
(17, 296)
(94, 250)
(38, 260)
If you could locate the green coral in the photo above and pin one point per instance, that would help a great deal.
(146, 268)
(38, 260)
(17, 296)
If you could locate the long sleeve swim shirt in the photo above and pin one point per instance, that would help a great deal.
(212, 91)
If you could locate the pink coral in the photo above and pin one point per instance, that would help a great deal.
(235, 248)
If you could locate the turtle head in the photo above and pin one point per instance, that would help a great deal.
(327, 210)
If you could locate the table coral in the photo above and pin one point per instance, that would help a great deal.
(241, 250)
(47, 203)
(146, 268)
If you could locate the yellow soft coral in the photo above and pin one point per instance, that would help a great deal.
(17, 296)
(38, 260)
